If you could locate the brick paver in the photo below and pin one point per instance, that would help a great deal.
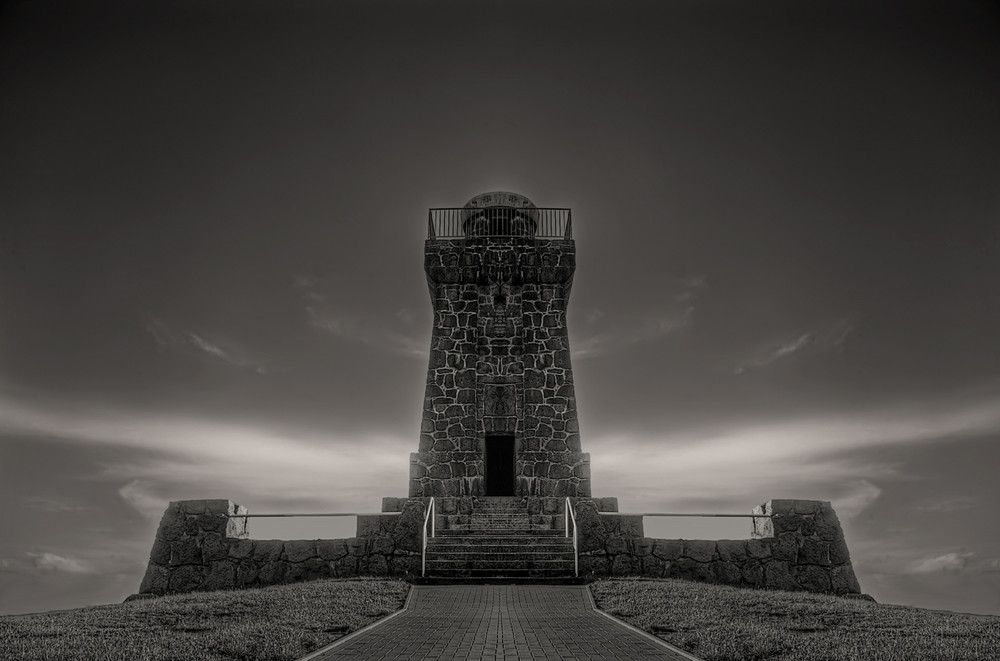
(499, 623)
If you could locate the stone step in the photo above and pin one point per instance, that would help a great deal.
(486, 549)
(507, 532)
(500, 580)
(483, 544)
(550, 568)
(490, 572)
(493, 557)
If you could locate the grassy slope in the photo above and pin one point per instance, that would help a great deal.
(719, 623)
(269, 624)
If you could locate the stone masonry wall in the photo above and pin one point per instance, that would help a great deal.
(203, 545)
(801, 548)
(499, 362)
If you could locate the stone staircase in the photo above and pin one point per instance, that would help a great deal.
(500, 543)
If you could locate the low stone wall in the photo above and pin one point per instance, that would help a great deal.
(801, 547)
(204, 545)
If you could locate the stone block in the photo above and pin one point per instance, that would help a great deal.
(843, 580)
(241, 548)
(591, 533)
(186, 578)
(369, 525)
(786, 547)
(728, 573)
(172, 524)
(221, 576)
(404, 565)
(189, 506)
(813, 578)
(699, 550)
(186, 552)
(616, 545)
(213, 547)
(759, 548)
(156, 579)
(246, 574)
(375, 565)
(753, 574)
(383, 545)
(272, 573)
(160, 553)
(606, 504)
(642, 546)
(625, 565)
(838, 552)
(238, 527)
(732, 550)
(778, 576)
(595, 564)
(814, 552)
(299, 550)
(331, 549)
(692, 570)
(668, 549)
(390, 504)
(267, 550)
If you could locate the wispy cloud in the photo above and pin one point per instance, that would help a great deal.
(141, 498)
(822, 456)
(175, 457)
(327, 311)
(168, 338)
(830, 337)
(51, 562)
(856, 498)
(953, 504)
(949, 562)
(48, 504)
(674, 308)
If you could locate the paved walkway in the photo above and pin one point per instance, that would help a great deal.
(499, 623)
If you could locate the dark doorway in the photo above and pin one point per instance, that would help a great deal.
(499, 465)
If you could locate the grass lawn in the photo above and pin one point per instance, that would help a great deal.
(278, 623)
(720, 623)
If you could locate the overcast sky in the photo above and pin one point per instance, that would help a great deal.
(788, 277)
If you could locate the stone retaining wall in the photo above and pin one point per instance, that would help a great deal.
(203, 545)
(802, 547)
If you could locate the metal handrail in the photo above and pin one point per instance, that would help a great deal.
(571, 515)
(247, 516)
(745, 516)
(423, 548)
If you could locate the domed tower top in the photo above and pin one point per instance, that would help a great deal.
(499, 199)
(499, 213)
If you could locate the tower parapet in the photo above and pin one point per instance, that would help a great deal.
(499, 414)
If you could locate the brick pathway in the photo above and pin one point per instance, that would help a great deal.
(499, 623)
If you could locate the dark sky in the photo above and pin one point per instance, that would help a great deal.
(211, 277)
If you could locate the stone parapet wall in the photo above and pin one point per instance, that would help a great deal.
(204, 545)
(802, 547)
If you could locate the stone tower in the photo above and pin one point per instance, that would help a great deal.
(499, 414)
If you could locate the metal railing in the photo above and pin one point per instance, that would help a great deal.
(462, 223)
(250, 516)
(423, 546)
(570, 515)
(744, 516)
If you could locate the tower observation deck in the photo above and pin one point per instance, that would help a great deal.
(499, 415)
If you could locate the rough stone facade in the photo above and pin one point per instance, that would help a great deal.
(204, 545)
(801, 547)
(500, 362)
